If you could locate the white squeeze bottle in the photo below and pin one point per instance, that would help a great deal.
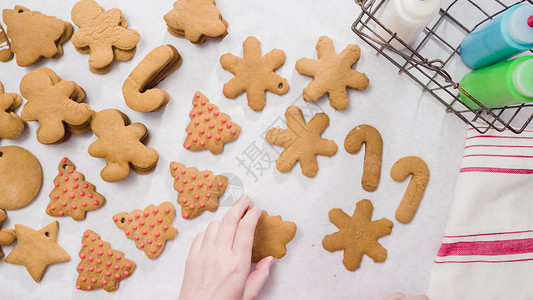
(407, 18)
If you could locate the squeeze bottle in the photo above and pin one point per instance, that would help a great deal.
(499, 39)
(503, 84)
(407, 18)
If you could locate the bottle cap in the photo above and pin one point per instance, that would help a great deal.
(521, 24)
(523, 78)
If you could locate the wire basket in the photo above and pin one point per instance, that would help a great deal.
(433, 74)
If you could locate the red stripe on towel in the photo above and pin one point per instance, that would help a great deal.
(496, 170)
(498, 155)
(492, 248)
(499, 146)
(481, 261)
(499, 137)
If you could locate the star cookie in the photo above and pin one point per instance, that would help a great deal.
(332, 73)
(197, 190)
(37, 249)
(357, 235)
(209, 128)
(11, 125)
(254, 74)
(302, 141)
(7, 236)
(149, 228)
(196, 20)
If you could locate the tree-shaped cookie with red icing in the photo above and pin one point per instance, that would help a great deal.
(209, 128)
(197, 190)
(149, 228)
(72, 195)
(101, 266)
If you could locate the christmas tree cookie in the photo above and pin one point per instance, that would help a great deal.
(209, 128)
(197, 190)
(271, 236)
(150, 228)
(101, 266)
(72, 195)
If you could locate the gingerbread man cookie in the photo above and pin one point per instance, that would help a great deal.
(138, 88)
(11, 125)
(54, 103)
(209, 128)
(332, 73)
(196, 20)
(302, 141)
(34, 35)
(149, 228)
(197, 190)
(357, 235)
(5, 46)
(122, 145)
(36, 249)
(72, 195)
(100, 265)
(7, 236)
(21, 177)
(254, 74)
(100, 33)
(271, 236)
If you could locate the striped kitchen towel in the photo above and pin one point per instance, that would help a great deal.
(487, 251)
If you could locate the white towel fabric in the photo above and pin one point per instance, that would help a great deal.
(487, 251)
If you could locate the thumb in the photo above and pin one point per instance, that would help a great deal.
(257, 278)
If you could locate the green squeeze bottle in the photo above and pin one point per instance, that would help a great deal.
(502, 84)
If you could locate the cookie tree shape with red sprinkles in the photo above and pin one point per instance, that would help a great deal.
(209, 128)
(149, 228)
(72, 195)
(197, 190)
(101, 266)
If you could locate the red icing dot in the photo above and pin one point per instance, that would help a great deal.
(89, 287)
(146, 214)
(117, 276)
(95, 202)
(83, 278)
(187, 146)
(137, 216)
(64, 159)
(93, 280)
(90, 195)
(155, 210)
(83, 203)
(206, 174)
(75, 185)
(141, 222)
(149, 241)
(193, 176)
(223, 120)
(91, 269)
(220, 184)
(116, 267)
(108, 263)
(82, 193)
(197, 95)
(176, 178)
(56, 196)
(141, 245)
(100, 244)
(157, 234)
(200, 111)
(185, 215)
(217, 137)
(127, 232)
(126, 273)
(134, 227)
(64, 190)
(197, 196)
(100, 252)
(85, 185)
(202, 204)
(153, 251)
(52, 207)
(233, 131)
(203, 102)
(152, 225)
(98, 270)
(215, 113)
(136, 237)
(180, 190)
(206, 118)
(144, 232)
(228, 125)
(183, 171)
(127, 265)
(196, 123)
(90, 258)
(56, 184)
(108, 273)
(159, 244)
(75, 177)
(195, 139)
(71, 196)
(130, 219)
(110, 253)
(66, 178)
(209, 184)
(194, 104)
(191, 188)
(98, 261)
(59, 174)
(201, 131)
(208, 195)
(70, 171)
(115, 219)
(184, 181)
(104, 282)
(81, 268)
(220, 128)
(176, 167)
(210, 108)
(82, 255)
(167, 210)
(64, 203)
(211, 125)
(86, 234)
(202, 143)
(73, 206)
(165, 227)
(193, 114)
(61, 213)
(184, 200)
(200, 184)
(78, 287)
(84, 244)
(118, 257)
(191, 206)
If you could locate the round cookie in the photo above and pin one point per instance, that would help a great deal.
(23, 177)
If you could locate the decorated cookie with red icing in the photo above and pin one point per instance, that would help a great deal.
(149, 228)
(209, 128)
(197, 190)
(101, 266)
(72, 195)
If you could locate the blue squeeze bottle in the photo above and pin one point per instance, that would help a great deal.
(499, 39)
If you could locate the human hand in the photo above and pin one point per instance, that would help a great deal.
(400, 296)
(218, 265)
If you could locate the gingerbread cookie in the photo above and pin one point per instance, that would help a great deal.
(209, 128)
(72, 195)
(21, 177)
(5, 46)
(100, 33)
(196, 20)
(37, 249)
(7, 236)
(368, 135)
(302, 141)
(332, 73)
(357, 235)
(11, 125)
(54, 103)
(100, 265)
(254, 74)
(149, 228)
(122, 145)
(138, 88)
(197, 190)
(34, 35)
(419, 171)
(271, 236)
